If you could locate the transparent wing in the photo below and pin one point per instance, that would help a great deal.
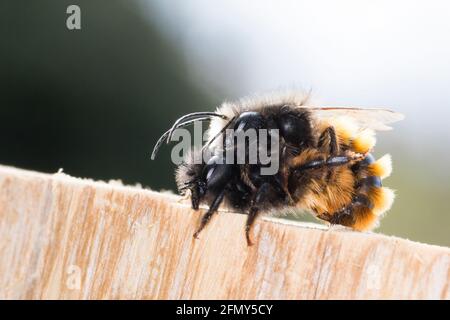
(371, 118)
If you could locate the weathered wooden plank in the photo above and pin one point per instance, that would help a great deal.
(68, 238)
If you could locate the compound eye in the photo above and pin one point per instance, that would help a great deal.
(294, 129)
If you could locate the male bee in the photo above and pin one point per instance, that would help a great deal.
(324, 154)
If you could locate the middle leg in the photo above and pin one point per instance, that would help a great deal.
(265, 194)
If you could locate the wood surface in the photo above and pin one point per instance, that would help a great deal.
(68, 238)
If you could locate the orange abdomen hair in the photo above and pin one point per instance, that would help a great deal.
(356, 186)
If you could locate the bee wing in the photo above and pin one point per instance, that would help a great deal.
(370, 118)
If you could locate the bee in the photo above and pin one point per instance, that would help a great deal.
(324, 154)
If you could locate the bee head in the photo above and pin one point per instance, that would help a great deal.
(295, 126)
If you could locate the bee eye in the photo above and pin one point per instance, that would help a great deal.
(294, 128)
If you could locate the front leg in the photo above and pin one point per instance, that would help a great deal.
(217, 177)
(212, 209)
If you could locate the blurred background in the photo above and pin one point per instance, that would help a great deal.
(93, 101)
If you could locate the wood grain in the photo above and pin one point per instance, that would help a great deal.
(68, 238)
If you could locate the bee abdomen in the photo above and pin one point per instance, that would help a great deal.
(369, 182)
(369, 167)
(377, 199)
(382, 167)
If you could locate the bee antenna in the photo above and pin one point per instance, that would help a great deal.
(193, 116)
(166, 134)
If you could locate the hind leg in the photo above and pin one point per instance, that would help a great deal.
(346, 216)
(365, 210)
(329, 144)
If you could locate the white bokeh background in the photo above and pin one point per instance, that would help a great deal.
(394, 53)
(367, 53)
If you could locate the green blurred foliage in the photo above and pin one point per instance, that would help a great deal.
(94, 101)
(420, 211)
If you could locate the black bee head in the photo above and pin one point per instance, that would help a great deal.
(295, 126)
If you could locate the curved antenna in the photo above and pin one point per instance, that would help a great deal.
(165, 134)
(192, 116)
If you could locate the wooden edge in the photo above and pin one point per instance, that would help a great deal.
(69, 238)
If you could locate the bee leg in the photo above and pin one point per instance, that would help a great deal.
(197, 192)
(212, 209)
(345, 216)
(342, 215)
(328, 141)
(265, 194)
(253, 213)
(334, 161)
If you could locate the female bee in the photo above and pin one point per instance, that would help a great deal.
(324, 156)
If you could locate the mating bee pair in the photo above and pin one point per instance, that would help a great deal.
(325, 162)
